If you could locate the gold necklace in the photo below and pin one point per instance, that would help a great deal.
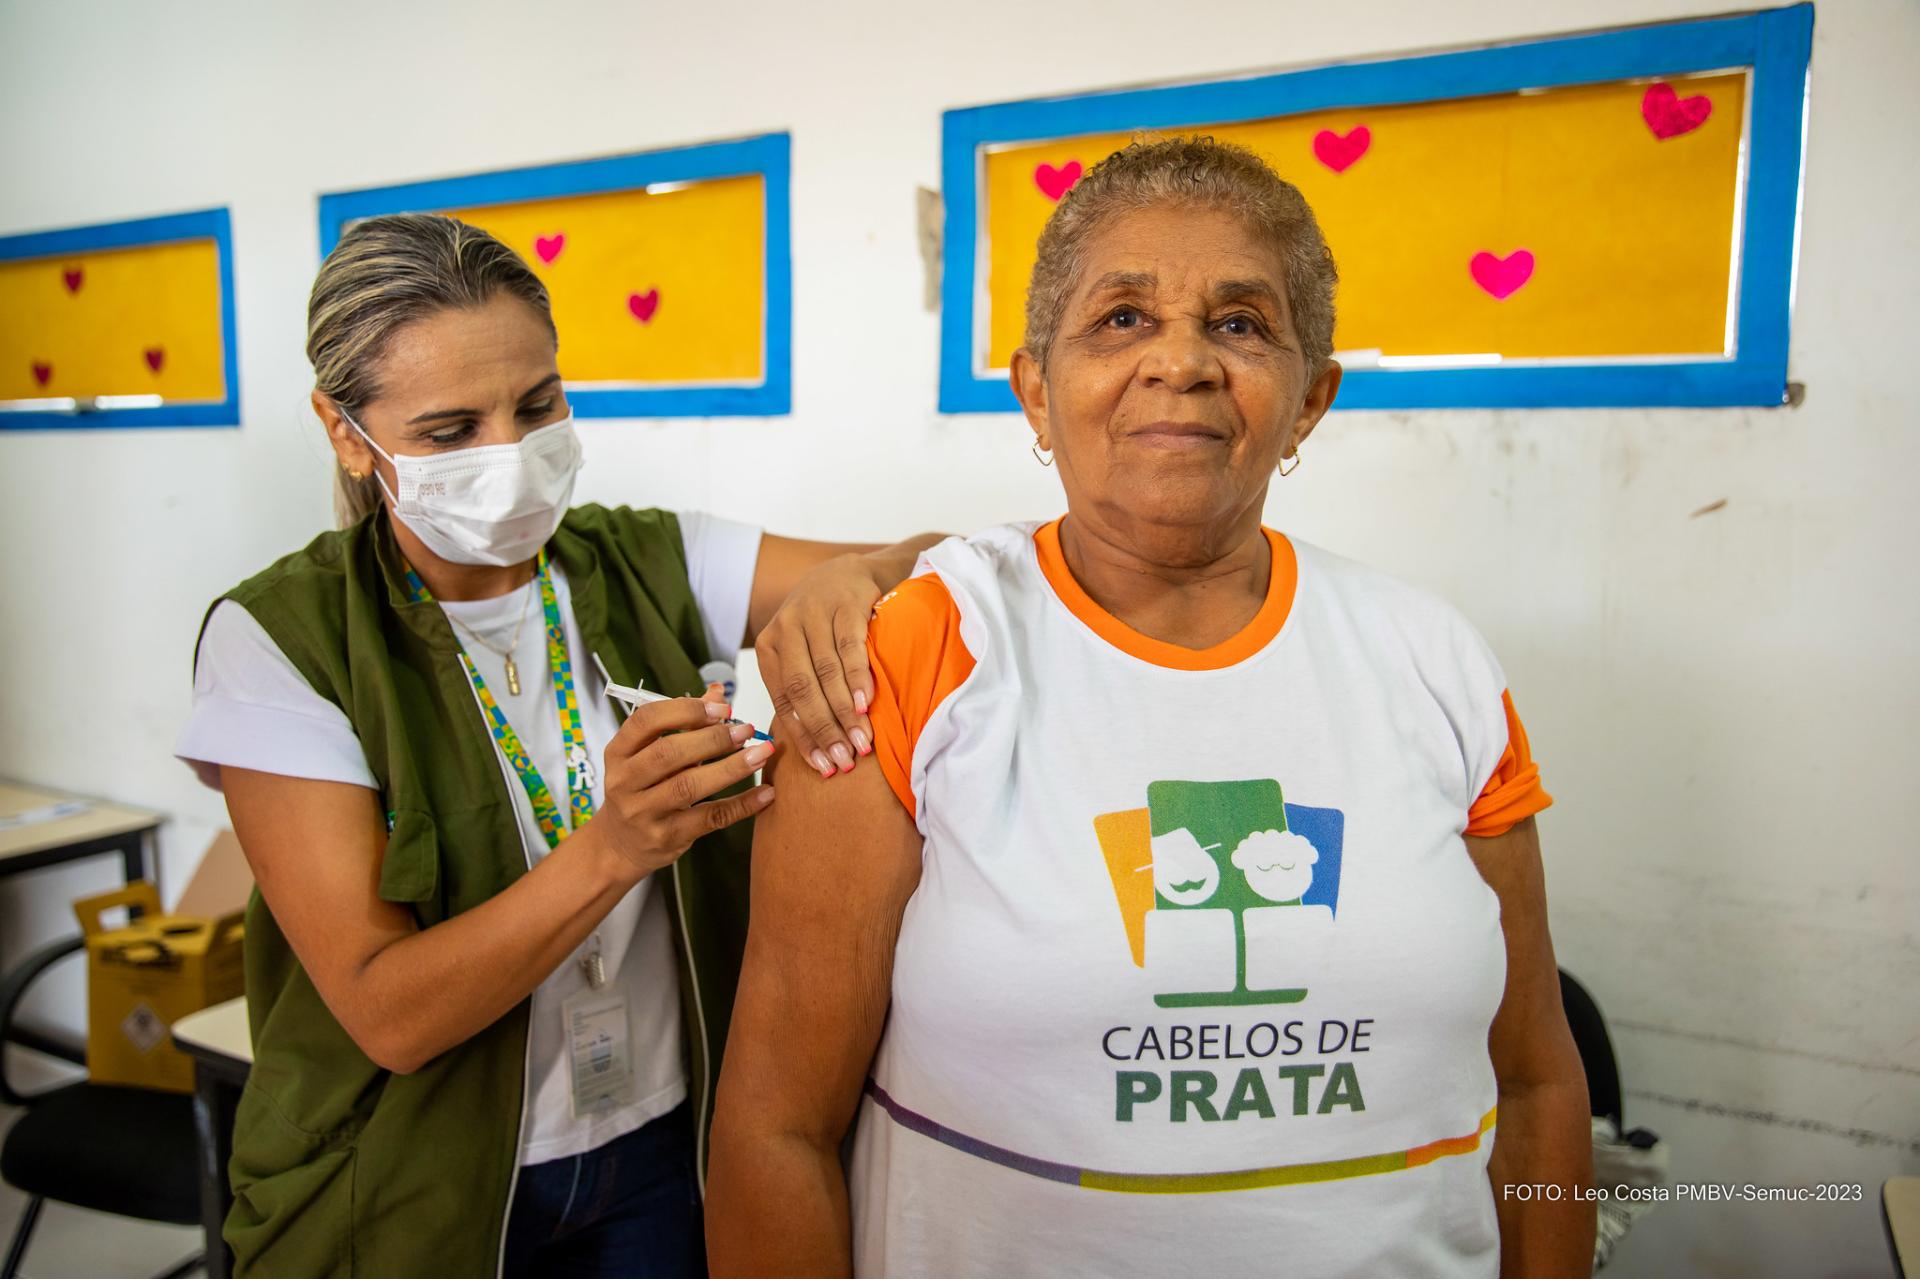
(513, 670)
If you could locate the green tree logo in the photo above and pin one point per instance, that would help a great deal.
(1226, 846)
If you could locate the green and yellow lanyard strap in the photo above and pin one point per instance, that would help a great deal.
(573, 737)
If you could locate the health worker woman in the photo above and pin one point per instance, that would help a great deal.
(1195, 922)
(493, 953)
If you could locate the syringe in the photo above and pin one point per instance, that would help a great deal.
(634, 698)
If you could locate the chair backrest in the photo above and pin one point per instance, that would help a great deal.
(1596, 1049)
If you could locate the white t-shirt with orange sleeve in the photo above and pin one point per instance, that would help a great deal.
(1199, 973)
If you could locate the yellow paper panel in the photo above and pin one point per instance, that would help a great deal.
(125, 311)
(666, 287)
(1632, 235)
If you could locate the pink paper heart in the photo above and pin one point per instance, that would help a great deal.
(73, 276)
(1337, 152)
(42, 373)
(1055, 183)
(643, 305)
(549, 246)
(1501, 276)
(156, 356)
(1669, 115)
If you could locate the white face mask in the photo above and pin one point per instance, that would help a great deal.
(495, 505)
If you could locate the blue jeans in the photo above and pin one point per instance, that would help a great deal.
(630, 1208)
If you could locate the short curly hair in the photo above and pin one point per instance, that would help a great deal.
(1195, 171)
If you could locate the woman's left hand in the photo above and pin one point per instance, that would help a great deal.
(813, 658)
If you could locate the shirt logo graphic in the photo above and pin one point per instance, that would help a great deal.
(1226, 891)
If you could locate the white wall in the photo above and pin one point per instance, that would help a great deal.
(1723, 704)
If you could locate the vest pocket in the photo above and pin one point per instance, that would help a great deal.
(292, 1213)
(410, 869)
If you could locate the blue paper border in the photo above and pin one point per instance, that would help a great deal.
(1776, 43)
(770, 156)
(213, 224)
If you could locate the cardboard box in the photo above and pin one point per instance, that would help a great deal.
(143, 976)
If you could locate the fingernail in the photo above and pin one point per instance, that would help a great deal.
(860, 700)
(842, 756)
(716, 710)
(766, 796)
(861, 742)
(757, 753)
(740, 732)
(821, 764)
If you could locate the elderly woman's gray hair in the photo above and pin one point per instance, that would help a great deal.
(1205, 174)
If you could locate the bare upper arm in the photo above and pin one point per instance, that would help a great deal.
(834, 863)
(1529, 1042)
(315, 849)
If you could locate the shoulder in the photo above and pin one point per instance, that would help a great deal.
(1379, 601)
(959, 593)
(321, 564)
(302, 600)
(625, 526)
(916, 645)
(237, 657)
(918, 608)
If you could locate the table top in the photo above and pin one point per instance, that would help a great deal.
(1901, 1197)
(54, 820)
(218, 1031)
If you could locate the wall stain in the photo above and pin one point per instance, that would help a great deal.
(1859, 1136)
(1731, 1041)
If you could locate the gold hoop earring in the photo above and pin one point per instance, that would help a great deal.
(1035, 450)
(1286, 470)
(355, 476)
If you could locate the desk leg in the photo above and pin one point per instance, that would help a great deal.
(133, 856)
(214, 1102)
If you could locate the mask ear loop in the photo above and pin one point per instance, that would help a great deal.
(348, 419)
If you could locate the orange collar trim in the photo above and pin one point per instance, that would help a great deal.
(1252, 637)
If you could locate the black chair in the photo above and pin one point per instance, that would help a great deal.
(1596, 1049)
(126, 1151)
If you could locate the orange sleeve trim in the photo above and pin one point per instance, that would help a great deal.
(1513, 793)
(1237, 648)
(918, 658)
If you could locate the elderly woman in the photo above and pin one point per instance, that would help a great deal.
(1193, 922)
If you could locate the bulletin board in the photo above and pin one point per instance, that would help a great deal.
(1604, 219)
(123, 324)
(669, 271)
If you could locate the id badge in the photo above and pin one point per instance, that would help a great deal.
(600, 1049)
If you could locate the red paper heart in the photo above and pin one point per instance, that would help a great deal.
(643, 305)
(549, 246)
(156, 356)
(1055, 183)
(73, 276)
(1501, 276)
(1338, 153)
(1669, 115)
(42, 373)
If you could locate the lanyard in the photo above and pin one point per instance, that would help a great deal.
(573, 737)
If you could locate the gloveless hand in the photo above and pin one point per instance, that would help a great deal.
(813, 658)
(660, 768)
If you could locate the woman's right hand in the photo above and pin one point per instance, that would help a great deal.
(660, 767)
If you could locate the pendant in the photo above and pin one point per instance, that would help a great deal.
(513, 677)
(580, 764)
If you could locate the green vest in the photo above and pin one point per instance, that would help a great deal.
(340, 1167)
